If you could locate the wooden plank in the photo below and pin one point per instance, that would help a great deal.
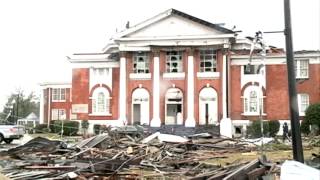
(241, 173)
(256, 173)
(51, 167)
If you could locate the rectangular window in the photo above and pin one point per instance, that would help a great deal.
(141, 63)
(302, 68)
(58, 94)
(174, 62)
(58, 114)
(72, 115)
(251, 69)
(208, 60)
(303, 103)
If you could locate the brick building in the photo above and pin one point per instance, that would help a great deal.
(176, 69)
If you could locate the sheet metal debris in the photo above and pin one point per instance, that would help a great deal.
(125, 154)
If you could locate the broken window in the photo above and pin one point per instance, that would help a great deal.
(174, 62)
(58, 94)
(141, 63)
(208, 60)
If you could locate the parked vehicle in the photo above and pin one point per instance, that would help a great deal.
(10, 132)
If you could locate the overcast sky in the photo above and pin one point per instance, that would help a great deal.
(37, 35)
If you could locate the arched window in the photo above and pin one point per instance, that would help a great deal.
(101, 101)
(251, 102)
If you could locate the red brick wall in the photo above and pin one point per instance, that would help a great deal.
(311, 85)
(132, 84)
(56, 105)
(277, 97)
(80, 89)
(165, 84)
(45, 104)
(236, 107)
(202, 83)
(276, 103)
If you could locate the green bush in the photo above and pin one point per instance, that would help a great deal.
(84, 124)
(55, 126)
(273, 128)
(313, 115)
(41, 128)
(305, 127)
(96, 128)
(69, 127)
(270, 129)
(254, 130)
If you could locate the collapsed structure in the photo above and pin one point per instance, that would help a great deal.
(177, 69)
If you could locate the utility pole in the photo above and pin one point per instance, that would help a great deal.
(295, 125)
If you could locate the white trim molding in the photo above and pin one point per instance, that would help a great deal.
(100, 114)
(140, 76)
(174, 75)
(208, 75)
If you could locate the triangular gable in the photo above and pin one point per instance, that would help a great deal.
(181, 24)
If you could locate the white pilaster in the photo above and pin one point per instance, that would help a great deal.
(41, 107)
(190, 121)
(155, 122)
(123, 89)
(225, 123)
(49, 107)
(224, 87)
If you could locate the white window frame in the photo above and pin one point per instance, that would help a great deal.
(246, 101)
(58, 94)
(302, 68)
(58, 114)
(141, 67)
(208, 55)
(303, 103)
(174, 57)
(105, 111)
(73, 116)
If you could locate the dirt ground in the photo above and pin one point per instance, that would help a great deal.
(276, 156)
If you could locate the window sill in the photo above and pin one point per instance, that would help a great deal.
(93, 114)
(253, 114)
(302, 78)
(208, 75)
(58, 100)
(174, 75)
(140, 76)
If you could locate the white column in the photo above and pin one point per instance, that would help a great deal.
(41, 107)
(155, 122)
(123, 89)
(226, 126)
(49, 107)
(190, 121)
(224, 87)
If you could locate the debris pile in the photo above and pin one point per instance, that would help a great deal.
(132, 156)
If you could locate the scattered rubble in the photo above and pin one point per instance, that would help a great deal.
(125, 154)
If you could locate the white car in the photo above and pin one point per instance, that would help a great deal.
(10, 132)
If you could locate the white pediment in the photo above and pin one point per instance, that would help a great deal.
(174, 25)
